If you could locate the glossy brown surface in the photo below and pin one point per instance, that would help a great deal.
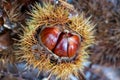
(63, 44)
(61, 48)
(49, 37)
(73, 42)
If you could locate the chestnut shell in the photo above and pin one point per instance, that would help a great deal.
(60, 42)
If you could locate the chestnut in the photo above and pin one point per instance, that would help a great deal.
(61, 49)
(49, 36)
(74, 43)
(67, 45)
(61, 43)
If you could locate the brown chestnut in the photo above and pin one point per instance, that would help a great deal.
(67, 45)
(74, 43)
(49, 36)
(61, 49)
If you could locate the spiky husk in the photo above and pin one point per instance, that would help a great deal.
(54, 15)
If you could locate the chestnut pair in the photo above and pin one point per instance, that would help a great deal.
(63, 43)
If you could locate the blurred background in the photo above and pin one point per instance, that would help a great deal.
(103, 63)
